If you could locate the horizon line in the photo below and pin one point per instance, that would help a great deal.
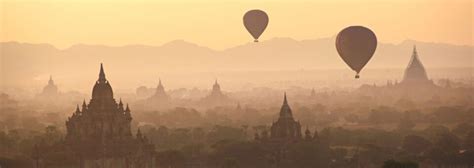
(198, 45)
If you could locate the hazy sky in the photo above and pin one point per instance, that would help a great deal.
(218, 23)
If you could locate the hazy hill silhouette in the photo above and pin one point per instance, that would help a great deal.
(21, 62)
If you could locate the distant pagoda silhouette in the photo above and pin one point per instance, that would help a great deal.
(216, 90)
(415, 73)
(51, 89)
(160, 93)
(159, 100)
(100, 133)
(285, 129)
(313, 93)
(216, 97)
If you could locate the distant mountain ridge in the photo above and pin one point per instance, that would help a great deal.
(30, 60)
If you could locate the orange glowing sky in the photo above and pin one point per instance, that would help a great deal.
(218, 23)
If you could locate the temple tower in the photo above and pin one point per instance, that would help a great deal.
(100, 133)
(286, 129)
(160, 93)
(51, 89)
(415, 72)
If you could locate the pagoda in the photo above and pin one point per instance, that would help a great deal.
(100, 133)
(415, 73)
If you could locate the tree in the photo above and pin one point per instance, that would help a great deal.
(469, 141)
(229, 153)
(433, 131)
(230, 163)
(52, 135)
(373, 154)
(406, 124)
(219, 133)
(415, 144)
(448, 142)
(462, 129)
(445, 150)
(399, 164)
(170, 159)
(467, 156)
(308, 155)
(384, 114)
(353, 118)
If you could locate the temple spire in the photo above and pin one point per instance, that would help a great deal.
(286, 129)
(285, 110)
(415, 56)
(216, 83)
(415, 70)
(415, 53)
(160, 90)
(216, 88)
(51, 82)
(84, 105)
(160, 87)
(127, 109)
(120, 106)
(102, 74)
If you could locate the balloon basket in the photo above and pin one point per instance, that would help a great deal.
(256, 41)
(357, 76)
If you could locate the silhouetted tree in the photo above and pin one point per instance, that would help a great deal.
(415, 144)
(469, 141)
(399, 164)
(309, 154)
(170, 159)
(448, 142)
(462, 129)
(433, 131)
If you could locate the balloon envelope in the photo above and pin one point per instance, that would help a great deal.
(255, 21)
(356, 45)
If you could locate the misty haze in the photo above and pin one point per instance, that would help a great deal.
(81, 88)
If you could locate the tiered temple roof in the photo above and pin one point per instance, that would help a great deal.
(415, 72)
(101, 130)
(51, 89)
(286, 128)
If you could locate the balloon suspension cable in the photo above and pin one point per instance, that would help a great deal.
(357, 76)
(256, 40)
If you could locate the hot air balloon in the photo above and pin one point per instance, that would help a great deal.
(356, 45)
(255, 21)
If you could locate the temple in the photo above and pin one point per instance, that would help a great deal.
(415, 73)
(313, 93)
(100, 133)
(285, 129)
(216, 97)
(216, 90)
(51, 89)
(160, 93)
